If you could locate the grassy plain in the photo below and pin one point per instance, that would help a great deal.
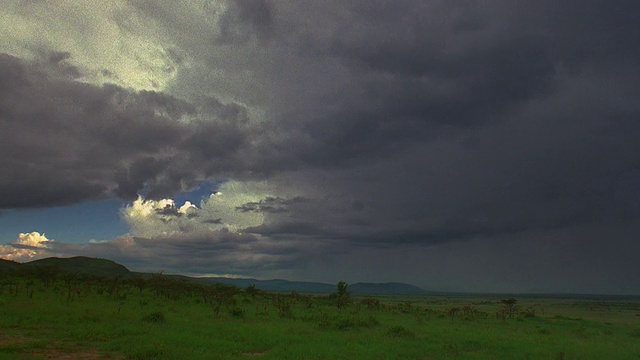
(161, 318)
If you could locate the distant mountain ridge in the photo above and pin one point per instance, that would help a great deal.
(109, 268)
(280, 285)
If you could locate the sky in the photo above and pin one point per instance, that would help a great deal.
(473, 146)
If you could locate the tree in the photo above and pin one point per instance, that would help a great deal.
(507, 308)
(252, 290)
(342, 295)
(47, 273)
(219, 295)
(283, 304)
(139, 281)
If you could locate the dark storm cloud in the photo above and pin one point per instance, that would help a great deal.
(424, 70)
(257, 13)
(417, 78)
(594, 33)
(291, 229)
(532, 104)
(65, 142)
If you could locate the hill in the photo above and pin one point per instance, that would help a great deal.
(81, 265)
(8, 265)
(72, 265)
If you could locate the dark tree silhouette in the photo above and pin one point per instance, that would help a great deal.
(342, 295)
(507, 308)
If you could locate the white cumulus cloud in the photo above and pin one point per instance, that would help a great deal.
(28, 246)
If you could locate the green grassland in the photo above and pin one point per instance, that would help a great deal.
(44, 315)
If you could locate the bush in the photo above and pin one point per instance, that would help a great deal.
(400, 332)
(471, 313)
(237, 312)
(508, 308)
(154, 317)
(283, 304)
(543, 331)
(529, 312)
(371, 303)
(342, 295)
(369, 322)
(346, 323)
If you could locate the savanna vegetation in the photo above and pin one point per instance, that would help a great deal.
(46, 313)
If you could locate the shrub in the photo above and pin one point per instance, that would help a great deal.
(283, 304)
(404, 307)
(543, 331)
(346, 323)
(342, 295)
(371, 303)
(369, 322)
(507, 308)
(400, 332)
(529, 312)
(237, 312)
(154, 317)
(451, 312)
(471, 313)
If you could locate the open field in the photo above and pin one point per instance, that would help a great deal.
(72, 317)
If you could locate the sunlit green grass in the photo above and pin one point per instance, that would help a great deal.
(142, 325)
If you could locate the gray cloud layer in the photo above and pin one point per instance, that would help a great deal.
(388, 122)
